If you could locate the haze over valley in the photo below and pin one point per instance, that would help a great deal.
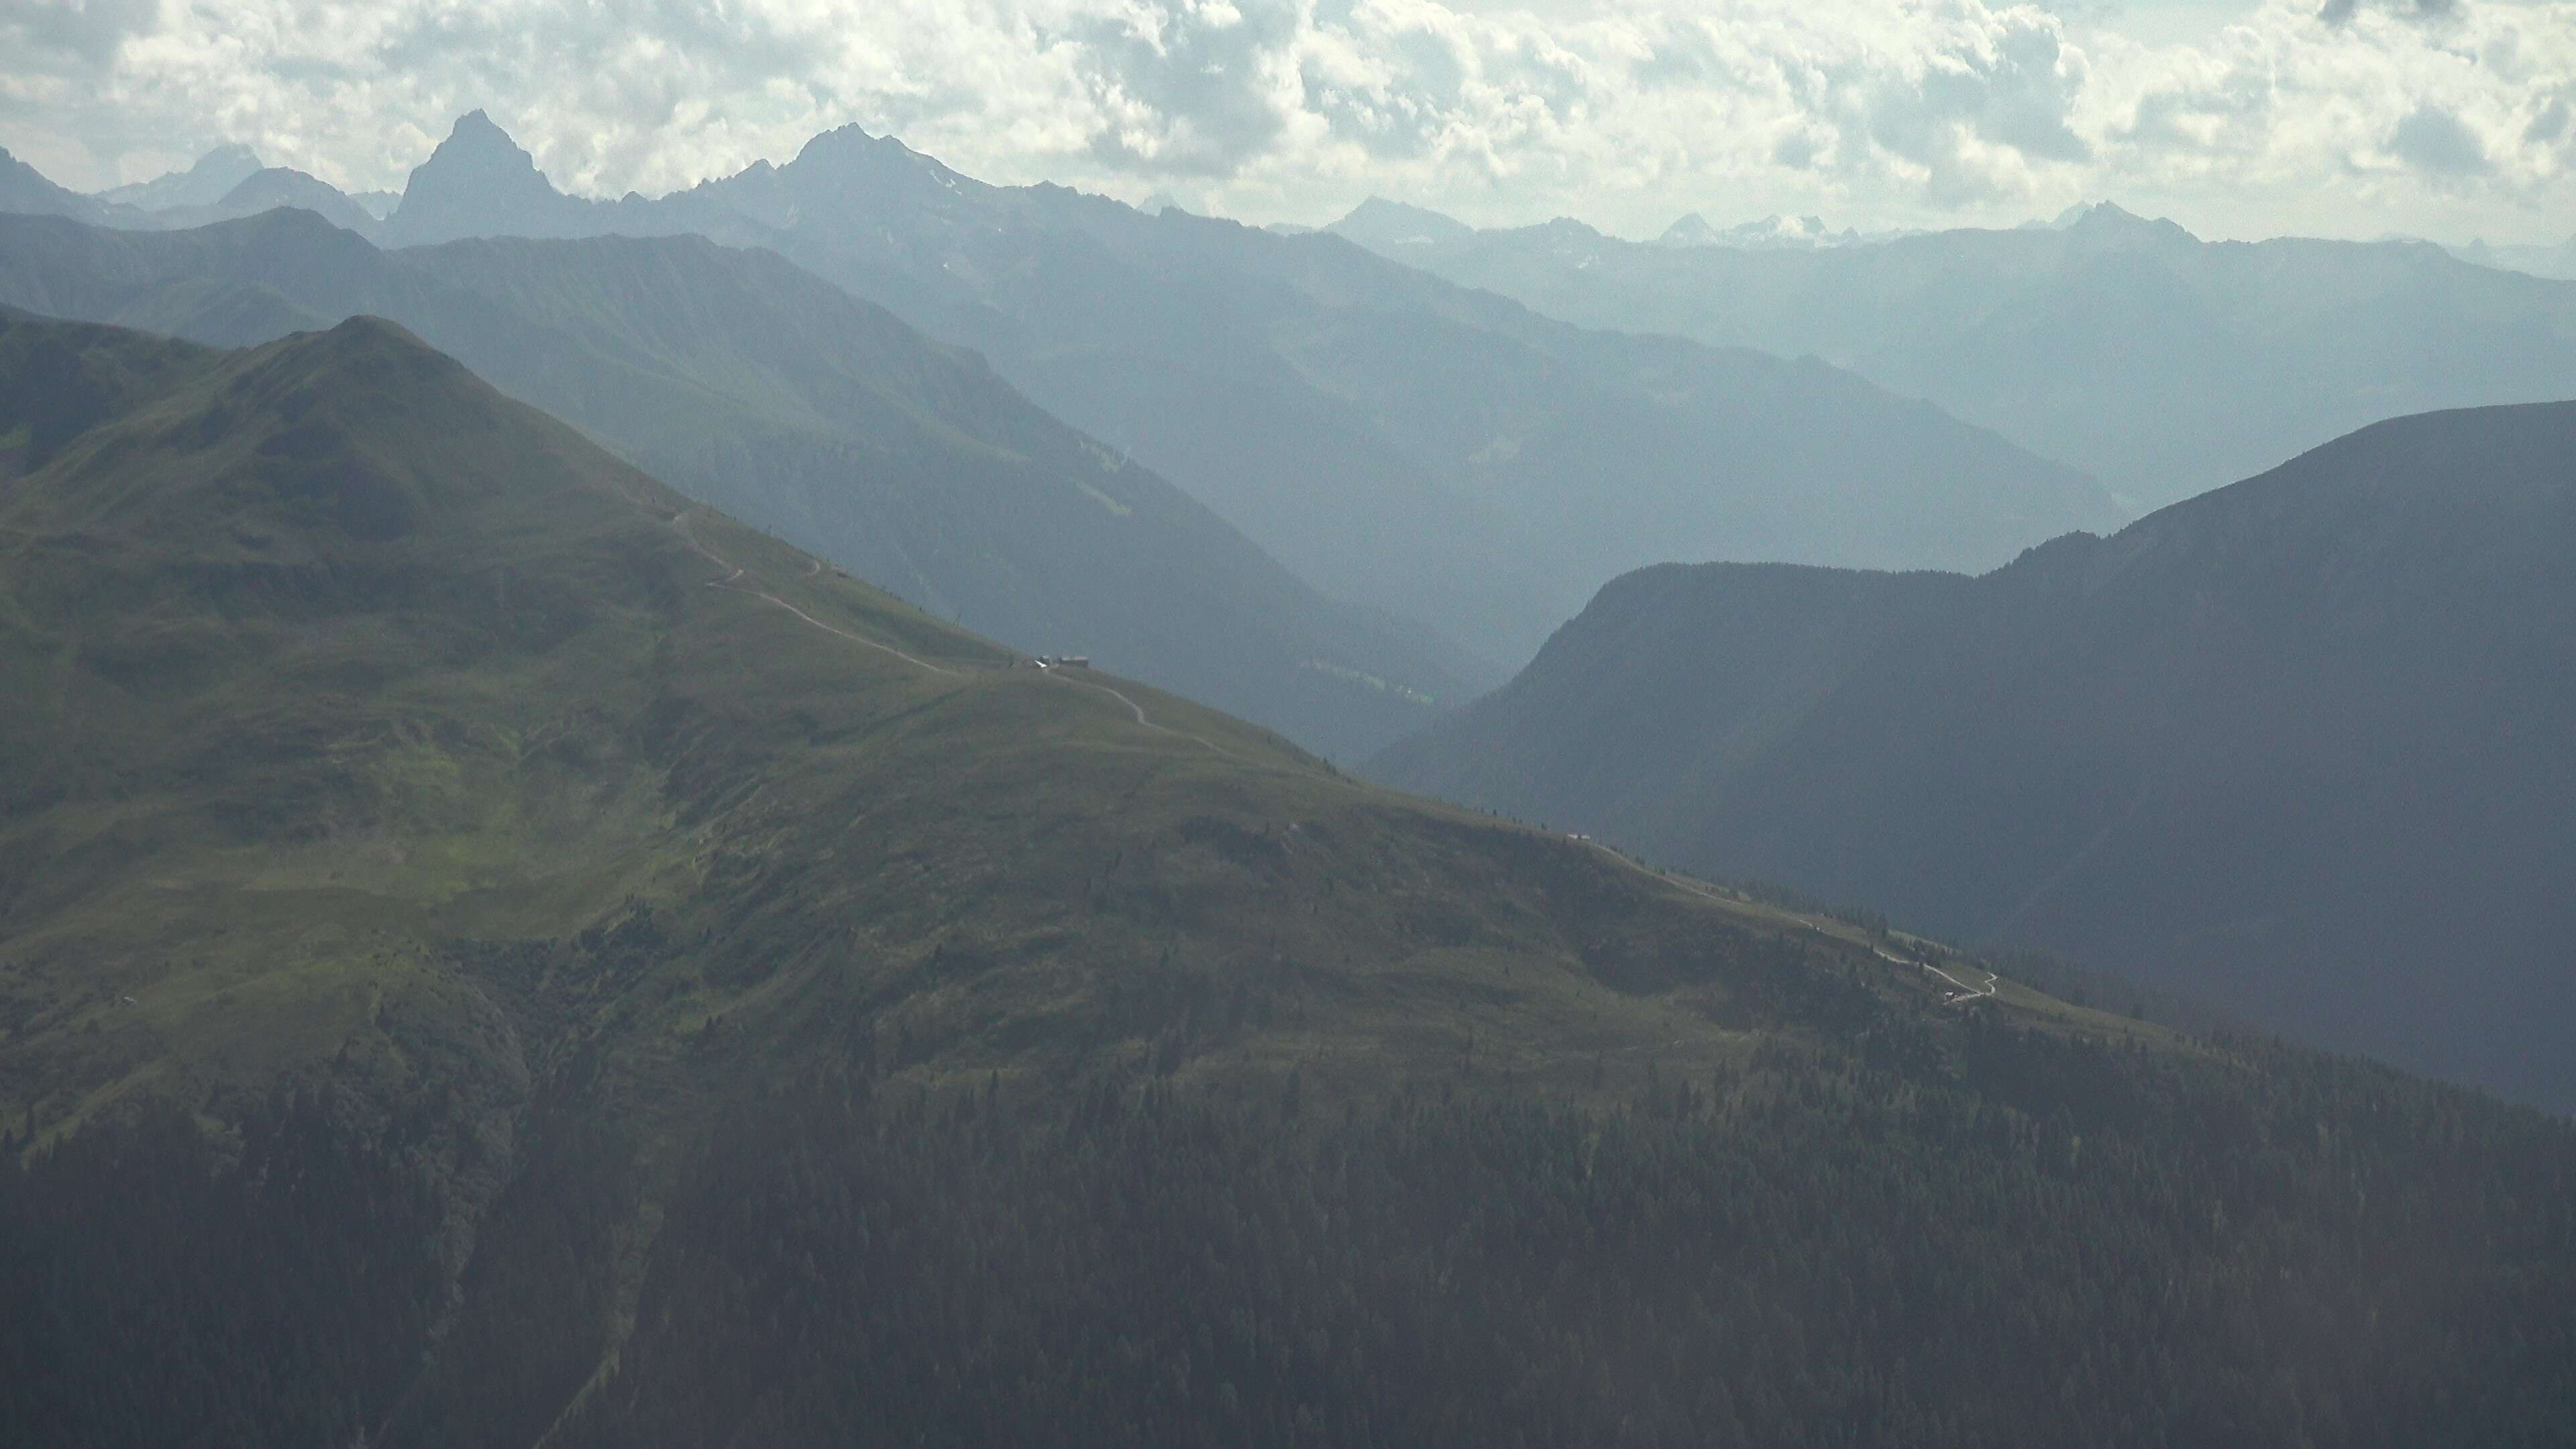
(2159, 363)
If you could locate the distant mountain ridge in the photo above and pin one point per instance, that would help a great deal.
(25, 190)
(2293, 746)
(266, 189)
(2557, 263)
(1391, 226)
(1401, 442)
(272, 187)
(1406, 446)
(1694, 230)
(204, 183)
(769, 393)
(2161, 364)
(226, 183)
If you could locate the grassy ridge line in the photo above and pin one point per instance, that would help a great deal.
(772, 395)
(1729, 901)
(517, 718)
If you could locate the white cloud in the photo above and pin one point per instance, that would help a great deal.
(2318, 115)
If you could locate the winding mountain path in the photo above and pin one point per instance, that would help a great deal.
(681, 523)
(1142, 718)
(734, 572)
(1964, 993)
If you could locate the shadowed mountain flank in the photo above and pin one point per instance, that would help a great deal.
(2290, 746)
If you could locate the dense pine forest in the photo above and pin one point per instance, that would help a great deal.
(1990, 1236)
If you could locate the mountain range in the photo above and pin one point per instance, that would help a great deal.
(2159, 363)
(25, 190)
(2558, 262)
(2292, 747)
(495, 952)
(1694, 230)
(265, 189)
(1399, 442)
(765, 391)
(208, 181)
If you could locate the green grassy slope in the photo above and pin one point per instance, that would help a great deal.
(306, 715)
(492, 953)
(773, 396)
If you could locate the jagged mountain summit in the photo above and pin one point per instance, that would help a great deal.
(2125, 346)
(2292, 747)
(267, 189)
(1405, 444)
(771, 394)
(25, 190)
(281, 186)
(479, 182)
(227, 182)
(1394, 226)
(206, 183)
(2557, 263)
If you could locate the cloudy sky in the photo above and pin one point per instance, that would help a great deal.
(2445, 118)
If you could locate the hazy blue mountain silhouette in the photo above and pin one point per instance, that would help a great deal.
(2162, 364)
(1401, 442)
(208, 181)
(479, 182)
(1695, 230)
(26, 191)
(2558, 262)
(226, 183)
(266, 189)
(1390, 227)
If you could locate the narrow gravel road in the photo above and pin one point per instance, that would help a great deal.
(1141, 717)
(1965, 992)
(735, 572)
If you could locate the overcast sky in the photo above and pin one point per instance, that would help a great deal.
(2445, 118)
